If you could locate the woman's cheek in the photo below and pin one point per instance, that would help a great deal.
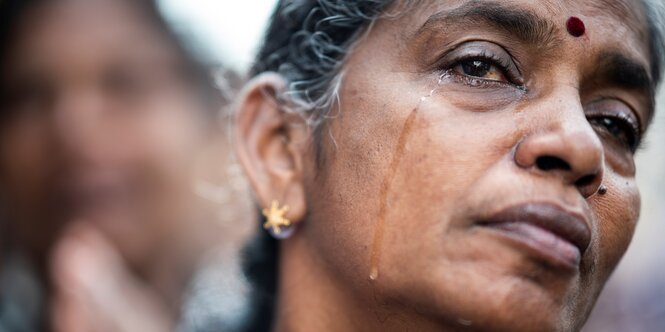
(617, 214)
(24, 159)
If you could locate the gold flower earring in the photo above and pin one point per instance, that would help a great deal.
(276, 224)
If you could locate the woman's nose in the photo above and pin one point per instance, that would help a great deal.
(566, 147)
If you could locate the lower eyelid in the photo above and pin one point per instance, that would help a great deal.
(477, 81)
(485, 83)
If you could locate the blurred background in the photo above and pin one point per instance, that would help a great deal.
(223, 35)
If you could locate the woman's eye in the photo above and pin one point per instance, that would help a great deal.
(482, 69)
(619, 129)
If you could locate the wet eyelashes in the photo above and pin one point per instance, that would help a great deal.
(615, 118)
(620, 129)
(482, 64)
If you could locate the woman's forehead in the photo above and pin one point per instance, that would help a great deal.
(611, 26)
(618, 16)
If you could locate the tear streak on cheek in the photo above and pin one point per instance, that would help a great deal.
(385, 189)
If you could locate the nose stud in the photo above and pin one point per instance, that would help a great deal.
(602, 190)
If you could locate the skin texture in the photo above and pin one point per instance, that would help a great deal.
(389, 231)
(112, 137)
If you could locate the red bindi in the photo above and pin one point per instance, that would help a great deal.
(575, 27)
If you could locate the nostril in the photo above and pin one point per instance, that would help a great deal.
(548, 163)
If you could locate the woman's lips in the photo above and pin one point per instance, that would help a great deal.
(555, 235)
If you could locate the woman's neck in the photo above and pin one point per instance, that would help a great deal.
(308, 299)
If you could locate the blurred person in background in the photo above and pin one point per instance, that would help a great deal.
(444, 165)
(108, 123)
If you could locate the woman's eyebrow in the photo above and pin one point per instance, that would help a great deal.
(519, 22)
(624, 71)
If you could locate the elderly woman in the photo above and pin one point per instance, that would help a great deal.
(444, 165)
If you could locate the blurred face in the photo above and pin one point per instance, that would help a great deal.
(99, 124)
(462, 189)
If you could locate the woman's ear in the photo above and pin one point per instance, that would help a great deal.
(271, 145)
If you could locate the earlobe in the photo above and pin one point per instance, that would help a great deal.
(270, 144)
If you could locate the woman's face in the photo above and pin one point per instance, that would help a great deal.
(99, 125)
(459, 183)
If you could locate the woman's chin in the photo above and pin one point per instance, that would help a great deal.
(514, 293)
(517, 305)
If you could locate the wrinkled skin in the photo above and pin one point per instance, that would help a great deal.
(390, 234)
